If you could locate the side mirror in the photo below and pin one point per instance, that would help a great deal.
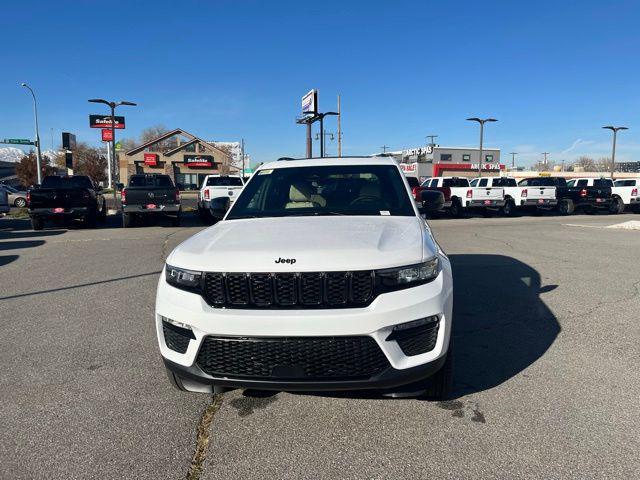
(219, 206)
(431, 201)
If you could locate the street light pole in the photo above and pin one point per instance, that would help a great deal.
(112, 106)
(481, 121)
(35, 114)
(613, 152)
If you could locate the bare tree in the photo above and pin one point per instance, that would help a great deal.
(541, 166)
(586, 163)
(603, 164)
(156, 131)
(87, 160)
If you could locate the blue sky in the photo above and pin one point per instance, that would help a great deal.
(553, 73)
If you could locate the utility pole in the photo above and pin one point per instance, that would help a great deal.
(613, 152)
(384, 148)
(339, 130)
(242, 153)
(546, 162)
(513, 159)
(35, 114)
(431, 137)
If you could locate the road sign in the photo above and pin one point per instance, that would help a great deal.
(118, 146)
(18, 141)
(104, 121)
(107, 135)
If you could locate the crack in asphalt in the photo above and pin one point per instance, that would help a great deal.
(202, 438)
(635, 293)
(163, 251)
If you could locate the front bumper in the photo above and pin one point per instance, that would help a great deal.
(376, 321)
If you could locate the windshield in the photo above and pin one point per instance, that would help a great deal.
(224, 182)
(66, 182)
(324, 190)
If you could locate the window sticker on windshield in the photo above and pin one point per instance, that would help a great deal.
(265, 172)
(385, 212)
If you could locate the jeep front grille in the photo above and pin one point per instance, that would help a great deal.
(289, 290)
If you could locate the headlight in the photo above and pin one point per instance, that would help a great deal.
(181, 278)
(409, 276)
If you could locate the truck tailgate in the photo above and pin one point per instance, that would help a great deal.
(221, 191)
(539, 193)
(59, 197)
(146, 195)
(487, 193)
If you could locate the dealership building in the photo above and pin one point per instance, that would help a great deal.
(187, 159)
(438, 161)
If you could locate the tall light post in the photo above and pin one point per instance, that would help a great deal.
(481, 121)
(613, 153)
(113, 106)
(35, 114)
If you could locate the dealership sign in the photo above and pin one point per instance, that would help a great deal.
(107, 135)
(104, 121)
(417, 152)
(151, 159)
(409, 167)
(199, 160)
(310, 102)
(486, 166)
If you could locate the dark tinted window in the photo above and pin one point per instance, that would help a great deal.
(582, 183)
(224, 182)
(483, 182)
(455, 182)
(324, 190)
(542, 182)
(504, 182)
(67, 182)
(603, 182)
(150, 181)
(625, 183)
(413, 182)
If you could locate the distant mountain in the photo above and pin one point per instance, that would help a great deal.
(13, 154)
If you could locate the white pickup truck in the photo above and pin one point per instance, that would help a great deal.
(459, 195)
(629, 190)
(623, 192)
(518, 196)
(536, 193)
(219, 191)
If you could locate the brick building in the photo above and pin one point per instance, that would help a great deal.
(187, 159)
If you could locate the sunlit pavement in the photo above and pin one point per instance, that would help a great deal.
(546, 333)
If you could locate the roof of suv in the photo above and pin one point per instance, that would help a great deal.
(320, 162)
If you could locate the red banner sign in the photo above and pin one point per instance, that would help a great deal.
(151, 159)
(107, 135)
(199, 160)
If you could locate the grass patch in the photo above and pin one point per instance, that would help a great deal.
(18, 213)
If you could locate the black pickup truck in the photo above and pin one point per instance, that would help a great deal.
(65, 198)
(572, 198)
(150, 194)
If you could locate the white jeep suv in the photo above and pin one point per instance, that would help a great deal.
(322, 276)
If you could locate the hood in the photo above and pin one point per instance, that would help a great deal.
(306, 244)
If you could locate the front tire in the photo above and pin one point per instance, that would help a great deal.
(509, 208)
(37, 223)
(566, 207)
(442, 382)
(127, 220)
(102, 217)
(455, 210)
(617, 206)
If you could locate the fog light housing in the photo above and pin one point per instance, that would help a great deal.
(177, 335)
(416, 337)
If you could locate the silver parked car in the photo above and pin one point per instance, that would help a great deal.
(17, 198)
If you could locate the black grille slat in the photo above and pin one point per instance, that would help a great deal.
(286, 286)
(311, 288)
(361, 286)
(237, 288)
(261, 288)
(214, 288)
(289, 290)
(297, 358)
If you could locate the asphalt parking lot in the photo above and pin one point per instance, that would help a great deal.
(547, 386)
